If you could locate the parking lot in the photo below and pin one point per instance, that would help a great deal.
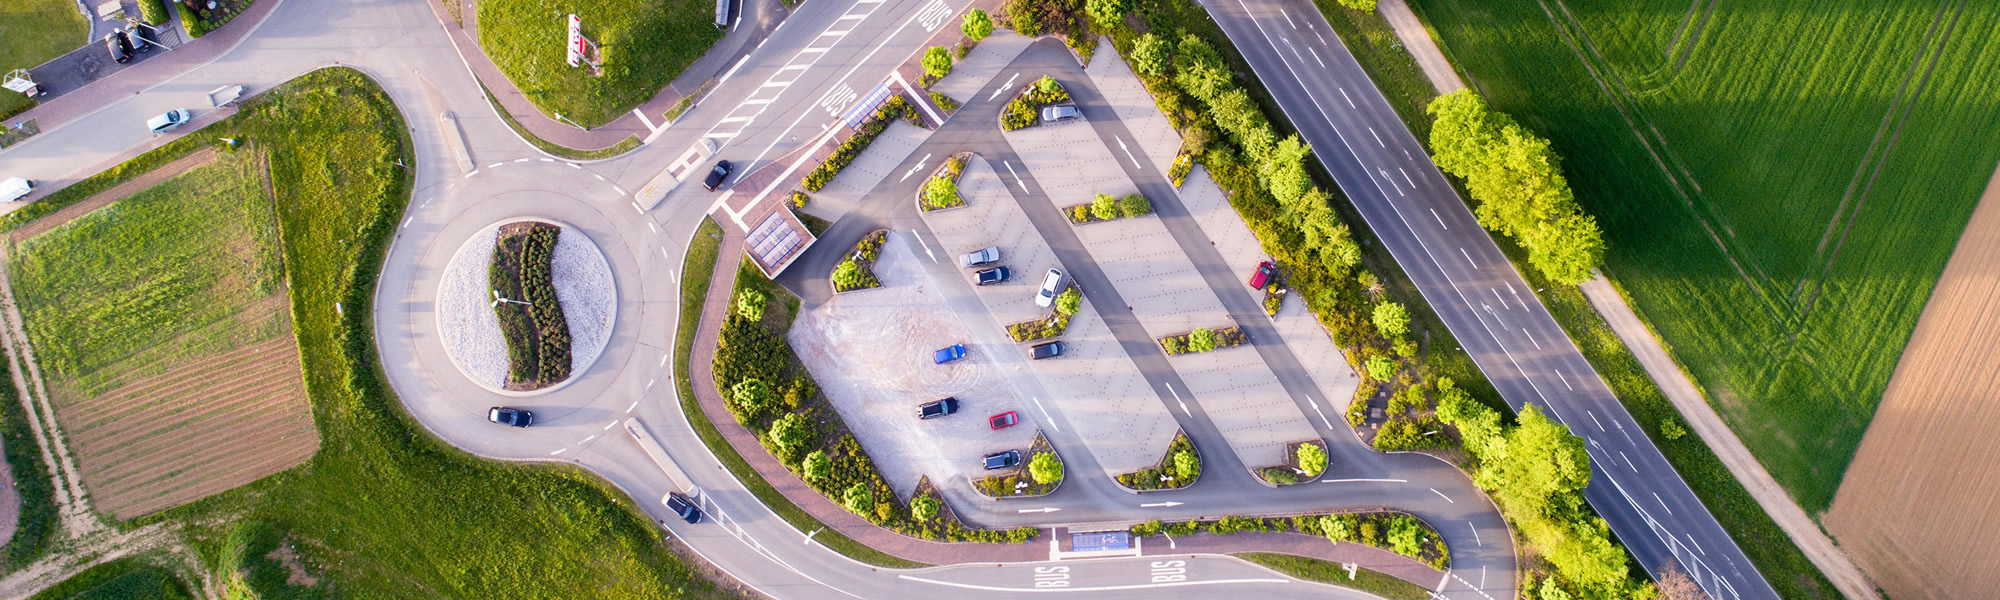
(871, 352)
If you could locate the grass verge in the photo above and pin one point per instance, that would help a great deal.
(120, 579)
(1316, 570)
(696, 274)
(37, 518)
(644, 45)
(623, 146)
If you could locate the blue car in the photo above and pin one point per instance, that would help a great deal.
(945, 355)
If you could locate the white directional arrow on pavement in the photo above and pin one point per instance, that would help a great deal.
(1154, 504)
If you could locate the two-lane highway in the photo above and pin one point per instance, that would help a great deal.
(1416, 213)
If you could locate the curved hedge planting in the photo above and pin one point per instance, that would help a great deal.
(538, 342)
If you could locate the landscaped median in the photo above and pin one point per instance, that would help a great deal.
(1066, 305)
(895, 108)
(1106, 208)
(1025, 109)
(1304, 461)
(1396, 532)
(1042, 467)
(857, 271)
(940, 192)
(1204, 340)
(1178, 468)
(531, 318)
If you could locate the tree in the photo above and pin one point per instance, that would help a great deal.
(1516, 181)
(1104, 14)
(1134, 205)
(1205, 81)
(1045, 467)
(788, 435)
(937, 62)
(1069, 301)
(1187, 466)
(1337, 528)
(1370, 284)
(1151, 55)
(1367, 6)
(1312, 459)
(848, 276)
(859, 499)
(1381, 367)
(1285, 173)
(748, 399)
(1392, 320)
(816, 466)
(750, 304)
(1671, 429)
(924, 508)
(1406, 536)
(1105, 208)
(1478, 425)
(1201, 340)
(942, 192)
(977, 25)
(1195, 139)
(1675, 584)
(1537, 468)
(1569, 250)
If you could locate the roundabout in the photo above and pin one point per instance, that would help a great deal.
(467, 303)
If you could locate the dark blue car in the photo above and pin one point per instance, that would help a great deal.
(945, 355)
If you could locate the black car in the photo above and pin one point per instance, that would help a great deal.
(1002, 460)
(121, 50)
(510, 416)
(993, 275)
(716, 176)
(937, 408)
(684, 506)
(1048, 350)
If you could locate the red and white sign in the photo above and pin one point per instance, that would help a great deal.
(576, 42)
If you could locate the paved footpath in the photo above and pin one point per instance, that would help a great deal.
(1665, 373)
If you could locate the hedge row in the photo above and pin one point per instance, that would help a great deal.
(895, 108)
(1396, 532)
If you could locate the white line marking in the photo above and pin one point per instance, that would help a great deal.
(406, 223)
(520, 160)
(1593, 419)
(1468, 258)
(1434, 215)
(663, 361)
(1663, 504)
(1045, 414)
(474, 172)
(663, 253)
(587, 440)
(635, 205)
(553, 160)
(1017, 176)
(1359, 480)
(649, 385)
(1322, 414)
(1496, 296)
(1697, 545)
(1128, 154)
(1003, 87)
(494, 165)
(1524, 331)
(599, 177)
(1628, 461)
(1441, 495)
(635, 404)
(1350, 100)
(574, 165)
(608, 426)
(913, 169)
(1378, 137)
(558, 452)
(927, 246)
(656, 229)
(1565, 379)
(1315, 53)
(1288, 18)
(1102, 588)
(1475, 534)
(1406, 177)
(1177, 398)
(621, 192)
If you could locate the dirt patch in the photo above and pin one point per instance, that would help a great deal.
(208, 425)
(1915, 506)
(198, 158)
(297, 574)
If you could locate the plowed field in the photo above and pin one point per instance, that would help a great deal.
(1916, 507)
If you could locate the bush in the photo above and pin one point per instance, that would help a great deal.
(1134, 205)
(1392, 320)
(1150, 55)
(895, 108)
(1357, 411)
(944, 102)
(924, 508)
(977, 25)
(1201, 340)
(1187, 465)
(849, 276)
(1079, 213)
(1407, 400)
(1106, 14)
(1069, 301)
(1045, 467)
(748, 399)
(1381, 367)
(1671, 429)
(1403, 433)
(1173, 345)
(1405, 536)
(799, 199)
(1105, 208)
(937, 62)
(941, 192)
(1367, 6)
(788, 435)
(1272, 303)
(1337, 528)
(750, 304)
(1280, 476)
(859, 499)
(153, 12)
(1038, 329)
(1312, 459)
(1148, 528)
(816, 467)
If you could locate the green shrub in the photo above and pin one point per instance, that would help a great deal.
(1045, 467)
(1392, 320)
(1381, 367)
(1367, 6)
(788, 436)
(1149, 528)
(1106, 14)
(941, 192)
(1201, 340)
(1079, 213)
(1150, 55)
(750, 304)
(748, 400)
(1173, 345)
(1357, 411)
(816, 466)
(1273, 303)
(1069, 301)
(1134, 205)
(977, 25)
(859, 499)
(799, 199)
(1280, 476)
(937, 62)
(1019, 113)
(944, 102)
(1337, 528)
(849, 276)
(1407, 400)
(1104, 208)
(924, 508)
(1672, 429)
(1405, 433)
(1187, 465)
(1312, 459)
(153, 12)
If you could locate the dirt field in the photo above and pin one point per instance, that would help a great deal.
(1915, 508)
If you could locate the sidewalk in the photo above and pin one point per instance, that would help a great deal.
(1665, 373)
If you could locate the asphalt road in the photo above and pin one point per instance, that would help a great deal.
(1385, 172)
(402, 45)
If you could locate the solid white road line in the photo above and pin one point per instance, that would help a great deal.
(558, 452)
(927, 246)
(1663, 504)
(1322, 414)
(1350, 100)
(1496, 296)
(1697, 545)
(587, 440)
(1177, 398)
(494, 165)
(1628, 461)
(1565, 379)
(1406, 177)
(520, 160)
(1288, 18)
(1378, 137)
(608, 426)
(650, 225)
(1593, 419)
(1128, 154)
(1101, 588)
(1468, 258)
(1475, 534)
(1364, 480)
(1434, 215)
(1315, 53)
(1441, 495)
(1524, 331)
(628, 409)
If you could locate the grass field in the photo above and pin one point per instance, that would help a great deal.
(645, 45)
(1780, 184)
(127, 578)
(384, 509)
(37, 30)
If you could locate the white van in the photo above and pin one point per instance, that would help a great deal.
(15, 188)
(169, 120)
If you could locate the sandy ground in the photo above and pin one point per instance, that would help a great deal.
(1916, 506)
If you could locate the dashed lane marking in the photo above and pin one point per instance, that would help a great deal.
(1441, 495)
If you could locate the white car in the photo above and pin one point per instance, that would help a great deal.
(15, 188)
(169, 120)
(1050, 285)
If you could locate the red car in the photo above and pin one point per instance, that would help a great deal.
(1265, 271)
(1003, 420)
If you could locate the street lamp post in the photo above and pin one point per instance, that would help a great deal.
(497, 299)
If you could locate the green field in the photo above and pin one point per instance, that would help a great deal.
(182, 269)
(128, 578)
(1780, 183)
(645, 45)
(37, 30)
(384, 509)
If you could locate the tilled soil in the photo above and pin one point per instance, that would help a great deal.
(1916, 506)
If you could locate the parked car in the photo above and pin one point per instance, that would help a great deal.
(1051, 284)
(510, 416)
(15, 188)
(1262, 276)
(133, 40)
(684, 506)
(1003, 420)
(1060, 112)
(1002, 460)
(121, 50)
(948, 354)
(979, 258)
(993, 275)
(937, 408)
(169, 120)
(716, 176)
(1047, 350)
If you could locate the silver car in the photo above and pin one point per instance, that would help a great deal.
(1050, 285)
(1059, 112)
(978, 258)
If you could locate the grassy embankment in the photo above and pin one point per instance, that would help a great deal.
(645, 45)
(384, 509)
(1313, 569)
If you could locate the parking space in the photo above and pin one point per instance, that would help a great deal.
(871, 353)
(1094, 385)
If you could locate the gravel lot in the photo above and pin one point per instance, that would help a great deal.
(471, 333)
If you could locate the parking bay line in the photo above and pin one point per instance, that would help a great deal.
(1045, 414)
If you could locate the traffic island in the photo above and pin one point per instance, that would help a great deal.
(1025, 109)
(525, 305)
(1039, 474)
(1399, 534)
(940, 192)
(1178, 468)
(857, 271)
(1052, 326)
(531, 318)
(1203, 340)
(1304, 463)
(1106, 208)
(895, 108)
